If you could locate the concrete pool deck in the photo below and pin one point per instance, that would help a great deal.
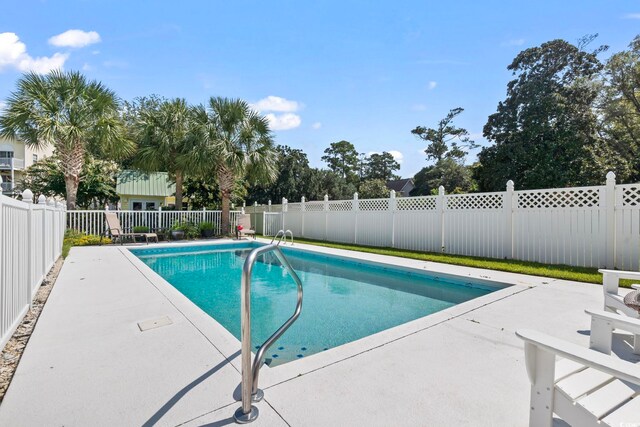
(89, 363)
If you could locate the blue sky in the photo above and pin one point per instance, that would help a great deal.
(363, 71)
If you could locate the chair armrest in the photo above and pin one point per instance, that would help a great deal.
(626, 323)
(636, 287)
(618, 368)
(621, 274)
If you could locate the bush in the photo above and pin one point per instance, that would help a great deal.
(206, 225)
(76, 238)
(190, 230)
(141, 229)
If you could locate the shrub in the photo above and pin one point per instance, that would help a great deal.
(190, 230)
(205, 226)
(141, 229)
(76, 238)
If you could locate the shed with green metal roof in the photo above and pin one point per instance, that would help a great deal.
(144, 191)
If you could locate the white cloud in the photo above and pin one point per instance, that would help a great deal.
(276, 103)
(75, 38)
(432, 85)
(283, 121)
(3, 105)
(398, 156)
(513, 42)
(13, 53)
(87, 67)
(632, 16)
(316, 125)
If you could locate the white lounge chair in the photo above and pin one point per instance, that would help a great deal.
(613, 300)
(244, 221)
(602, 325)
(584, 388)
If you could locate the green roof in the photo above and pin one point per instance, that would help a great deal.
(137, 183)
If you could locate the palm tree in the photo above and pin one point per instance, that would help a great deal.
(77, 117)
(162, 129)
(235, 144)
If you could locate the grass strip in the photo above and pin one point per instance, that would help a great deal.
(555, 271)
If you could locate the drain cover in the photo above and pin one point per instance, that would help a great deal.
(154, 323)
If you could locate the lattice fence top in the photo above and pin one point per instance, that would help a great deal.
(588, 197)
(474, 201)
(294, 207)
(373, 204)
(630, 195)
(341, 206)
(314, 207)
(416, 203)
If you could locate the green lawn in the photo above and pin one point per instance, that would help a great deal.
(565, 272)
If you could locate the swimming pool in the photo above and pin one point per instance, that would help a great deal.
(344, 299)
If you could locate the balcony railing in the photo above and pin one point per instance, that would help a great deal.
(11, 163)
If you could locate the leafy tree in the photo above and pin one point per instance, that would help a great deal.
(544, 128)
(97, 181)
(322, 181)
(292, 181)
(620, 113)
(163, 129)
(381, 166)
(234, 144)
(373, 189)
(454, 177)
(447, 147)
(447, 140)
(342, 158)
(76, 116)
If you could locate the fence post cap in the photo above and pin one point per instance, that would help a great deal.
(42, 200)
(355, 196)
(50, 202)
(326, 197)
(302, 199)
(392, 194)
(611, 176)
(510, 185)
(269, 202)
(27, 196)
(59, 204)
(441, 190)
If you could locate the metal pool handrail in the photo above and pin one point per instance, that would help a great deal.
(250, 391)
(283, 236)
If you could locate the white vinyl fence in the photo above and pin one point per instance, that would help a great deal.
(595, 226)
(93, 221)
(31, 238)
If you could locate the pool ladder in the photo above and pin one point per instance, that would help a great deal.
(250, 391)
(283, 237)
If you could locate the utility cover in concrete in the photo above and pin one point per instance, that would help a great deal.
(154, 323)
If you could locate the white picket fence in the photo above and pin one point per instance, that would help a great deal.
(31, 237)
(93, 221)
(595, 226)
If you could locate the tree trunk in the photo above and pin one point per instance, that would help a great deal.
(179, 180)
(72, 162)
(226, 182)
(71, 184)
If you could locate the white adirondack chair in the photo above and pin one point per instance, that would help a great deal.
(602, 325)
(613, 300)
(584, 387)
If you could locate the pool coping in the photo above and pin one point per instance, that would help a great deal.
(228, 344)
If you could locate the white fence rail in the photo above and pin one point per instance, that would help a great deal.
(93, 221)
(31, 238)
(595, 226)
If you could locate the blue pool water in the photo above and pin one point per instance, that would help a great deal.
(344, 300)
